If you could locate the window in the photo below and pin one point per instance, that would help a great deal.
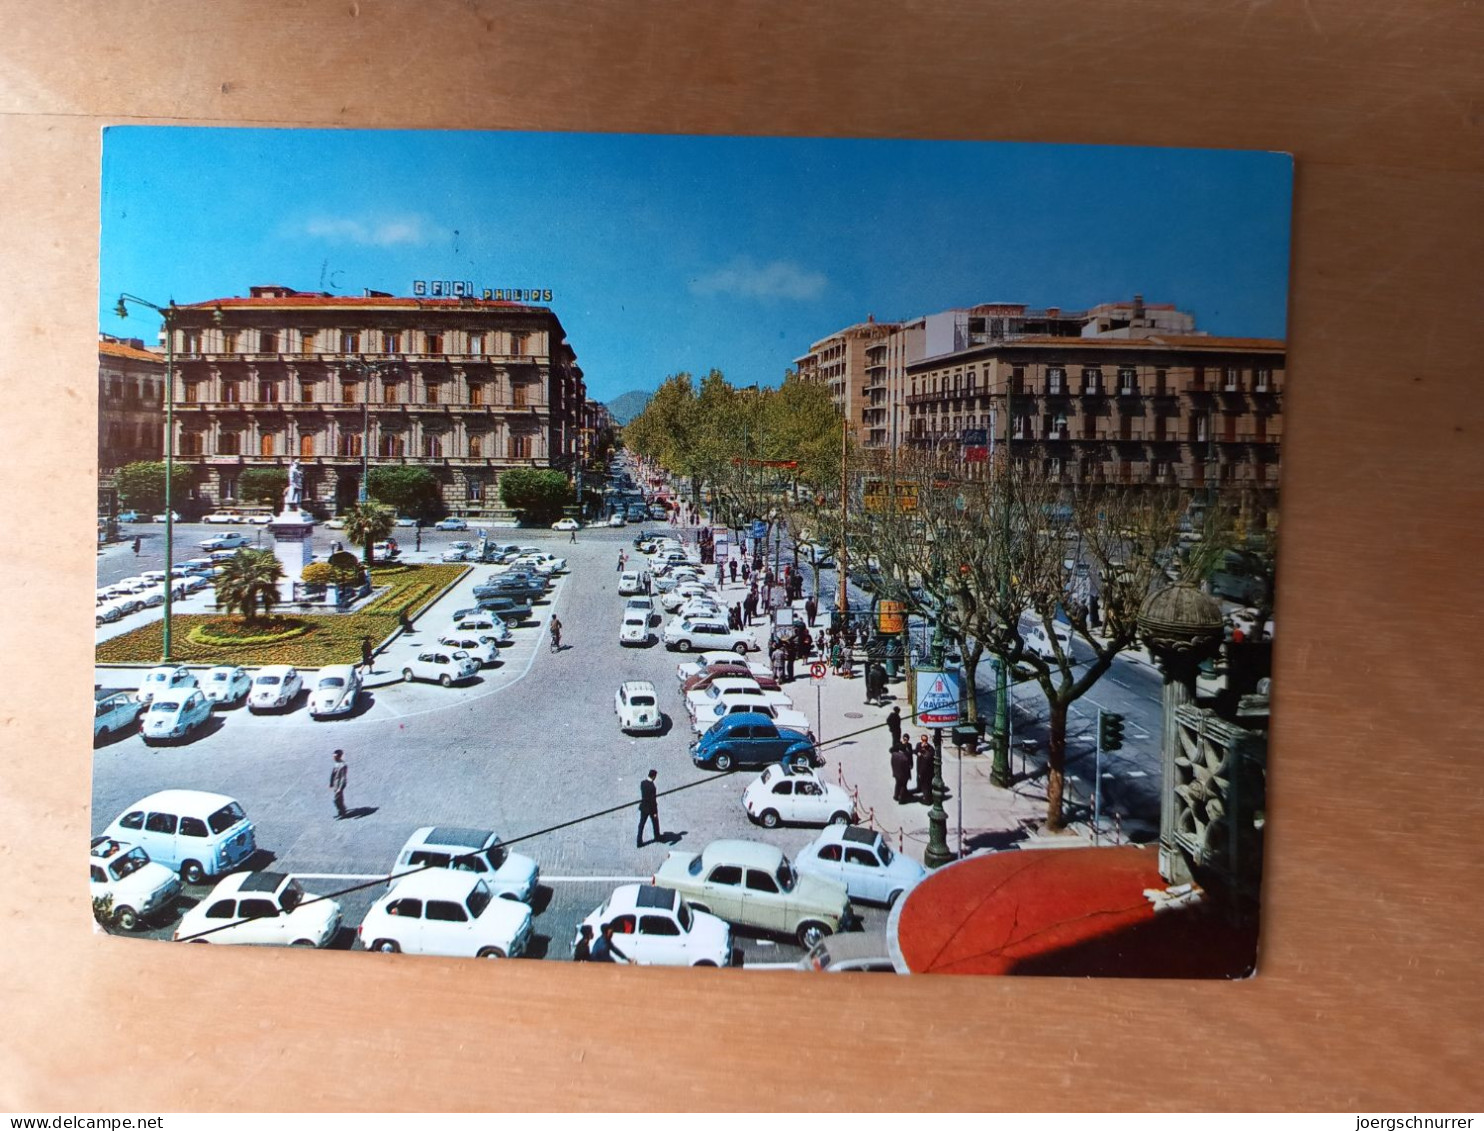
(1056, 381)
(306, 341)
(1160, 386)
(306, 445)
(229, 444)
(446, 911)
(476, 345)
(393, 447)
(161, 823)
(475, 489)
(229, 341)
(190, 341)
(1092, 380)
(784, 787)
(518, 395)
(1233, 379)
(476, 447)
(728, 874)
(223, 909)
(229, 487)
(1198, 378)
(191, 392)
(267, 341)
(430, 392)
(190, 443)
(257, 909)
(658, 925)
(435, 343)
(350, 444)
(476, 393)
(231, 392)
(348, 392)
(268, 391)
(520, 446)
(406, 908)
(350, 341)
(265, 444)
(517, 345)
(761, 881)
(306, 392)
(391, 342)
(390, 391)
(1262, 380)
(862, 857)
(433, 447)
(134, 820)
(1128, 380)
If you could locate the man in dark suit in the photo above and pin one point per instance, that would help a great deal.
(649, 808)
(901, 770)
(894, 725)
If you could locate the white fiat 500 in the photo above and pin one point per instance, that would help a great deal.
(169, 677)
(441, 665)
(174, 714)
(860, 859)
(653, 926)
(262, 909)
(449, 913)
(484, 650)
(227, 685)
(136, 886)
(637, 705)
(795, 795)
(333, 691)
(510, 875)
(276, 687)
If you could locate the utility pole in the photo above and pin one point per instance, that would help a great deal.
(844, 601)
(999, 773)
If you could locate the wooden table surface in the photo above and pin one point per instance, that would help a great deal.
(1369, 991)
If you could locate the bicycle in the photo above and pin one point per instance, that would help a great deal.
(556, 635)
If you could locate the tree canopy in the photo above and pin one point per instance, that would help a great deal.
(367, 524)
(263, 485)
(536, 495)
(141, 485)
(411, 491)
(249, 579)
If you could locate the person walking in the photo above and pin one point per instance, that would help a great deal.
(583, 951)
(572, 536)
(732, 569)
(925, 769)
(621, 559)
(790, 654)
(556, 633)
(604, 951)
(894, 725)
(136, 546)
(405, 621)
(901, 770)
(811, 610)
(417, 539)
(837, 653)
(749, 605)
(776, 656)
(746, 570)
(339, 772)
(649, 808)
(366, 654)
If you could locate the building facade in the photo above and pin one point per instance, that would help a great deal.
(131, 403)
(465, 387)
(839, 363)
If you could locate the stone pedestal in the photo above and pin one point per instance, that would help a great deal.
(292, 530)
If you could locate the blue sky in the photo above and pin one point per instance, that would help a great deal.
(686, 253)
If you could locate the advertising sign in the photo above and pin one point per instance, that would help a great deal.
(890, 618)
(937, 698)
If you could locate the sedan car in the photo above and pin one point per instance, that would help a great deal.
(174, 714)
(566, 524)
(226, 685)
(114, 712)
(707, 660)
(509, 875)
(616, 520)
(653, 926)
(507, 609)
(702, 635)
(108, 612)
(261, 909)
(710, 704)
(635, 629)
(405, 521)
(167, 677)
(728, 671)
(451, 524)
(460, 552)
(637, 705)
(334, 690)
(449, 913)
(275, 688)
(135, 885)
(1038, 642)
(441, 665)
(861, 859)
(482, 648)
(754, 885)
(229, 541)
(796, 795)
(129, 516)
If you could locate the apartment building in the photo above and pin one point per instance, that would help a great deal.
(131, 403)
(463, 386)
(839, 362)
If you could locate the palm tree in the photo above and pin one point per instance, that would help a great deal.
(248, 579)
(367, 524)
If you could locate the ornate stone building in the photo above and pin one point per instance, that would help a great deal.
(131, 403)
(464, 387)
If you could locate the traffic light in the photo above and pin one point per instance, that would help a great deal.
(1110, 731)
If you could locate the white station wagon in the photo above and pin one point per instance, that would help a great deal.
(261, 909)
(653, 926)
(638, 707)
(202, 834)
(446, 912)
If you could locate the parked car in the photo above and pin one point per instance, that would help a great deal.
(227, 686)
(201, 834)
(230, 541)
(441, 665)
(1038, 642)
(795, 795)
(630, 582)
(336, 523)
(507, 609)
(566, 524)
(166, 677)
(201, 567)
(708, 660)
(750, 739)
(451, 524)
(728, 671)
(483, 649)
(261, 909)
(403, 520)
(861, 859)
(616, 520)
(653, 926)
(106, 613)
(510, 875)
(460, 552)
(136, 886)
(223, 517)
(638, 706)
(174, 714)
(449, 913)
(334, 690)
(114, 712)
(706, 702)
(515, 588)
(704, 635)
(385, 552)
(635, 629)
(484, 627)
(754, 885)
(783, 717)
(174, 517)
(275, 688)
(129, 516)
(852, 952)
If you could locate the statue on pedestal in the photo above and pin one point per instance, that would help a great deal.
(295, 494)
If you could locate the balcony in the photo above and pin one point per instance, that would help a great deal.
(1093, 389)
(1128, 390)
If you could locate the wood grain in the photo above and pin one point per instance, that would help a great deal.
(1369, 992)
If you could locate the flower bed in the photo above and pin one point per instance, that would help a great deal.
(307, 641)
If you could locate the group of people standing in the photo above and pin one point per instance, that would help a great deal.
(905, 758)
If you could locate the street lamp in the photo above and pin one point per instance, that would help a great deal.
(365, 369)
(167, 315)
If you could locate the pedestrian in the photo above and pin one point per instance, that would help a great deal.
(556, 633)
(925, 769)
(732, 569)
(405, 621)
(837, 653)
(901, 770)
(417, 539)
(136, 546)
(621, 560)
(583, 951)
(649, 809)
(894, 724)
(746, 570)
(811, 610)
(366, 654)
(572, 536)
(604, 951)
(338, 773)
(790, 654)
(648, 584)
(749, 606)
(847, 661)
(1093, 617)
(775, 657)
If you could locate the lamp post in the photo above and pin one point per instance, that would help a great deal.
(167, 315)
(365, 369)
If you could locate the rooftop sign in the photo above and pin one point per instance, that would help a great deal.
(464, 288)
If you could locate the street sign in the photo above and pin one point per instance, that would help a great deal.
(759, 529)
(937, 698)
(817, 671)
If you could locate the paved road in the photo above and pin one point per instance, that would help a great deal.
(535, 752)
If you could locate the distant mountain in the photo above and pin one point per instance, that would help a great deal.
(624, 408)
